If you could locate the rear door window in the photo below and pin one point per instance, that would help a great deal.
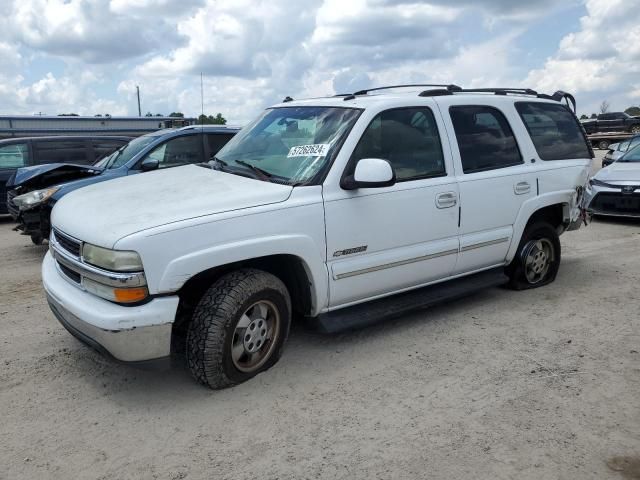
(485, 138)
(554, 130)
(215, 141)
(66, 151)
(14, 156)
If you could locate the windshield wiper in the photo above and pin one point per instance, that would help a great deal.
(266, 175)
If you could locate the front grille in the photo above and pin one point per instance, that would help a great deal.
(74, 276)
(71, 245)
(14, 211)
(617, 203)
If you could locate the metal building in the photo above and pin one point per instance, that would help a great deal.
(33, 126)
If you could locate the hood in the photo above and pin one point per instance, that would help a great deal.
(106, 212)
(628, 172)
(41, 176)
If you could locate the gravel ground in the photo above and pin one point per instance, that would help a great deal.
(542, 384)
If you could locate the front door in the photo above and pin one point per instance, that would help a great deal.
(385, 240)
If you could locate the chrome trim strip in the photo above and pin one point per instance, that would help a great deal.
(106, 277)
(484, 244)
(395, 264)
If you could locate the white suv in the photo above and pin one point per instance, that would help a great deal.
(338, 209)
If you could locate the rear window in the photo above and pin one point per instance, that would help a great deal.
(554, 130)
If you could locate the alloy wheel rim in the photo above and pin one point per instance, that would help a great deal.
(538, 255)
(255, 336)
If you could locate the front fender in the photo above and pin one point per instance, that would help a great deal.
(182, 268)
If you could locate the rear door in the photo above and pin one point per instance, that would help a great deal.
(12, 157)
(493, 179)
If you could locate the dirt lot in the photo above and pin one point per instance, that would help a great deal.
(543, 384)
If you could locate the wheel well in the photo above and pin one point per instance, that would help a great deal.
(552, 214)
(288, 268)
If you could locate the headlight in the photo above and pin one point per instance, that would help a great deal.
(114, 260)
(595, 181)
(35, 198)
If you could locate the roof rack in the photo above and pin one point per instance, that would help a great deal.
(364, 92)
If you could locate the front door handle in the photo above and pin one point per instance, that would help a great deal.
(446, 200)
(521, 188)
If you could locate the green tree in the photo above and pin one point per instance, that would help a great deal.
(593, 115)
(148, 114)
(211, 120)
(177, 114)
(583, 117)
(68, 115)
(633, 111)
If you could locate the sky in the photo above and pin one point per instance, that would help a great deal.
(87, 56)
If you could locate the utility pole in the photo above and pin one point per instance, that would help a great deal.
(138, 93)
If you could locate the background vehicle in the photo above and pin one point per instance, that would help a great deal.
(24, 152)
(35, 190)
(615, 190)
(617, 150)
(345, 210)
(613, 122)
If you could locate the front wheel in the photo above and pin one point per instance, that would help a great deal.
(603, 144)
(238, 328)
(537, 259)
(635, 129)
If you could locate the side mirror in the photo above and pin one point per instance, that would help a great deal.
(149, 164)
(370, 173)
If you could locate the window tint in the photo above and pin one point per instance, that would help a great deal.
(216, 141)
(102, 148)
(178, 151)
(69, 151)
(14, 156)
(485, 139)
(408, 139)
(554, 130)
(604, 116)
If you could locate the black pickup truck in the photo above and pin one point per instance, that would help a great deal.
(613, 122)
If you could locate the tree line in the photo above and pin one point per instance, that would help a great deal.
(217, 119)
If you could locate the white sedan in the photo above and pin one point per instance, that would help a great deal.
(615, 190)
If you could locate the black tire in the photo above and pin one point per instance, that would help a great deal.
(37, 239)
(604, 144)
(516, 271)
(211, 331)
(635, 129)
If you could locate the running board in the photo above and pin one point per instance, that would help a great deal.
(369, 313)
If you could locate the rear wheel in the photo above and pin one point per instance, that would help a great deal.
(238, 328)
(537, 260)
(36, 238)
(635, 129)
(604, 144)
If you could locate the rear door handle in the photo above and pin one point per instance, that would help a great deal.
(446, 200)
(521, 188)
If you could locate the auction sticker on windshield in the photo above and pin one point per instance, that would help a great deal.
(317, 150)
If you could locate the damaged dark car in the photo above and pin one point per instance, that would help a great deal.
(33, 191)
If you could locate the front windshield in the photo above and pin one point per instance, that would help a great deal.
(632, 155)
(288, 144)
(126, 152)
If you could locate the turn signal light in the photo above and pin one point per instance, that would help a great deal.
(130, 295)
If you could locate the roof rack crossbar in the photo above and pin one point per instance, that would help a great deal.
(449, 86)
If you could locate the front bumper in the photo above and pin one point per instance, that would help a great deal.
(138, 334)
(613, 202)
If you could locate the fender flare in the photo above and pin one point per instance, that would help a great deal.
(530, 207)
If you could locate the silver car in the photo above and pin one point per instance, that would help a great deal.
(617, 150)
(615, 190)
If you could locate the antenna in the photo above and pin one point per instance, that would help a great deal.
(138, 93)
(201, 101)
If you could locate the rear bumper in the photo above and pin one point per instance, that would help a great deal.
(138, 335)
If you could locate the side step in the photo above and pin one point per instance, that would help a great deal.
(369, 313)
